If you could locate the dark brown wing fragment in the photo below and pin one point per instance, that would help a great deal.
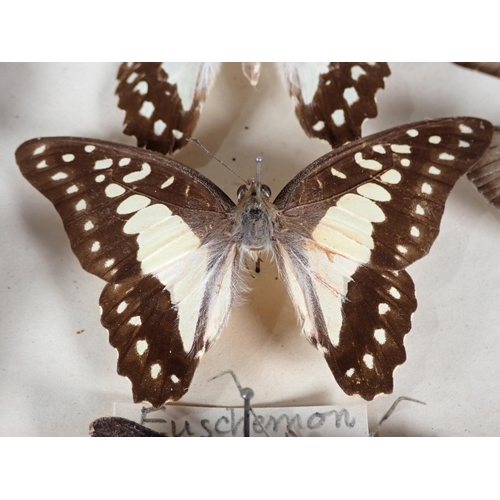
(486, 174)
(344, 98)
(156, 113)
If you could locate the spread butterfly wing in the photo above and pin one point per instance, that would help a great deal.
(486, 174)
(156, 231)
(332, 100)
(163, 101)
(350, 224)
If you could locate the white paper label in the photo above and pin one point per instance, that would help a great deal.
(301, 421)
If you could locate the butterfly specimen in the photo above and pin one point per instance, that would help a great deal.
(163, 101)
(174, 249)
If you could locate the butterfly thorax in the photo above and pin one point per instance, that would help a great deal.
(254, 219)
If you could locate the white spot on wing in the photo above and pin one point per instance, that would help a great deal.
(95, 246)
(391, 177)
(159, 127)
(123, 162)
(465, 129)
(102, 164)
(415, 231)
(147, 109)
(374, 192)
(378, 148)
(69, 157)
(350, 372)
(141, 87)
(39, 149)
(133, 204)
(405, 162)
(463, 144)
(141, 346)
(350, 95)
(155, 370)
(395, 292)
(109, 263)
(412, 132)
(338, 117)
(319, 126)
(401, 148)
(336, 173)
(137, 176)
(59, 176)
(89, 148)
(42, 164)
(369, 164)
(356, 72)
(419, 210)
(132, 77)
(177, 133)
(72, 189)
(446, 156)
(168, 182)
(435, 139)
(426, 188)
(81, 205)
(175, 379)
(114, 190)
(402, 249)
(88, 225)
(368, 361)
(434, 170)
(379, 335)
(121, 307)
(383, 308)
(135, 321)
(100, 178)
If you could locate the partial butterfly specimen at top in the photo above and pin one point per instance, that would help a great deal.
(163, 101)
(486, 174)
(490, 68)
(174, 249)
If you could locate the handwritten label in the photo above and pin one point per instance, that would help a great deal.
(186, 421)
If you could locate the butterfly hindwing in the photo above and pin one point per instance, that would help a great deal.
(157, 231)
(163, 101)
(354, 220)
(332, 100)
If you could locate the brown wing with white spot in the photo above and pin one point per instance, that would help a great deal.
(332, 100)
(143, 326)
(486, 174)
(347, 227)
(163, 101)
(159, 233)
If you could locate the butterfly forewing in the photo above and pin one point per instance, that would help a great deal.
(157, 231)
(162, 101)
(332, 100)
(353, 220)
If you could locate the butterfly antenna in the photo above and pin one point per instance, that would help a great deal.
(390, 411)
(258, 165)
(199, 144)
